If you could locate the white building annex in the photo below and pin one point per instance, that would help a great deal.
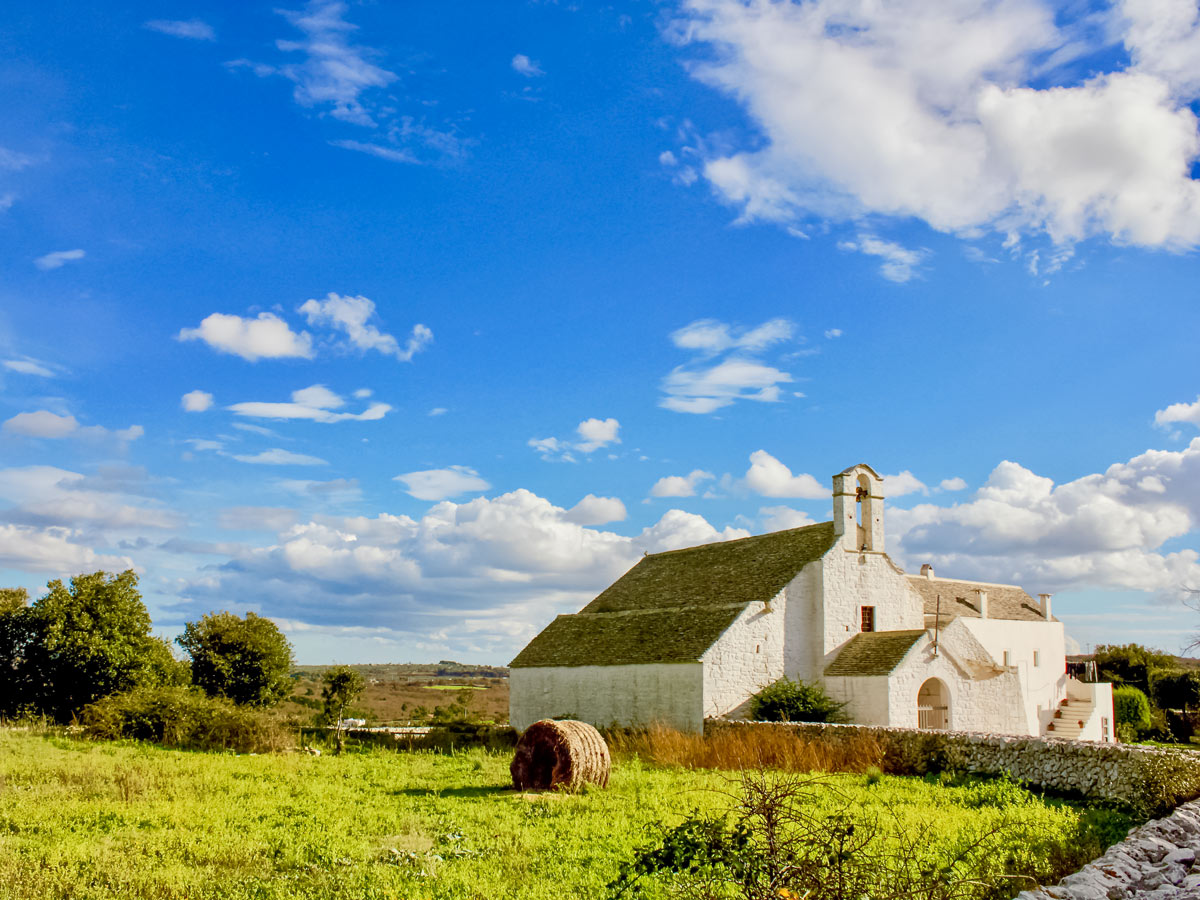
(691, 634)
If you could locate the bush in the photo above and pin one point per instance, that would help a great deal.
(1132, 711)
(184, 718)
(247, 660)
(794, 701)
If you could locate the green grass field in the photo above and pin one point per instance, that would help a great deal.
(82, 820)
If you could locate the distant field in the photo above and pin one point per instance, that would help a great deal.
(108, 821)
(396, 694)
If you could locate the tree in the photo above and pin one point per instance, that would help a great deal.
(87, 641)
(794, 701)
(340, 686)
(246, 660)
(14, 645)
(1179, 689)
(1132, 712)
(1131, 664)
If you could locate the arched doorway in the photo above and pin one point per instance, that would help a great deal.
(933, 706)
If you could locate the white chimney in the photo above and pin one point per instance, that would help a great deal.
(927, 570)
(1044, 605)
(983, 604)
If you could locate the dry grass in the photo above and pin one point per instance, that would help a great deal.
(747, 748)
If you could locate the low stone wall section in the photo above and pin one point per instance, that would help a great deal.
(1156, 860)
(1153, 781)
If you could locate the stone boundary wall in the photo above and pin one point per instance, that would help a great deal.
(1156, 860)
(1153, 781)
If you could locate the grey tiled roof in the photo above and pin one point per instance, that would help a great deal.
(873, 652)
(961, 598)
(672, 606)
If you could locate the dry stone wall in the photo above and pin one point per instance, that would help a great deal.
(1152, 781)
(1157, 860)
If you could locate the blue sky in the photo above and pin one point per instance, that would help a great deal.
(411, 327)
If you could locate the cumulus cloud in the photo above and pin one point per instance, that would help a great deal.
(952, 484)
(279, 457)
(1188, 413)
(194, 29)
(352, 316)
(523, 65)
(592, 434)
(256, 518)
(315, 403)
(726, 367)
(680, 485)
(264, 337)
(505, 564)
(439, 484)
(781, 518)
(903, 483)
(899, 263)
(1100, 531)
(593, 510)
(46, 424)
(196, 401)
(967, 116)
(58, 259)
(28, 366)
(50, 496)
(771, 478)
(52, 551)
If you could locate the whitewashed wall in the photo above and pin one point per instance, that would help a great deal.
(671, 693)
(745, 659)
(866, 699)
(1045, 683)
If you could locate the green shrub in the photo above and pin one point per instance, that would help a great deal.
(185, 718)
(1132, 711)
(794, 701)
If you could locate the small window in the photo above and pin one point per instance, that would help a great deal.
(757, 647)
(1037, 659)
(1006, 662)
(868, 619)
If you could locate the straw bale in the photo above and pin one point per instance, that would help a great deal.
(564, 754)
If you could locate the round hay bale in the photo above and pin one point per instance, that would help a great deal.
(553, 754)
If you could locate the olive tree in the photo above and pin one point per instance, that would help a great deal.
(247, 660)
(340, 686)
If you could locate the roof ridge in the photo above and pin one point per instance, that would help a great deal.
(646, 610)
(966, 581)
(749, 537)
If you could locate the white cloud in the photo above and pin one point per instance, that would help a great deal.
(362, 393)
(13, 161)
(833, 333)
(899, 263)
(439, 484)
(712, 337)
(336, 490)
(391, 154)
(335, 73)
(952, 484)
(196, 401)
(523, 65)
(705, 385)
(194, 29)
(597, 433)
(1179, 412)
(904, 483)
(265, 337)
(315, 403)
(438, 411)
(771, 478)
(680, 485)
(915, 109)
(352, 315)
(54, 497)
(29, 366)
(279, 457)
(1100, 531)
(593, 434)
(54, 551)
(58, 259)
(593, 510)
(45, 424)
(781, 518)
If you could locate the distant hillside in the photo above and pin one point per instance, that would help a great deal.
(446, 668)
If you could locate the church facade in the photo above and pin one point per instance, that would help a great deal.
(692, 634)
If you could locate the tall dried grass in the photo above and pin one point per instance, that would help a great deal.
(747, 748)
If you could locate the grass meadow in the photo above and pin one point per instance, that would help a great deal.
(88, 820)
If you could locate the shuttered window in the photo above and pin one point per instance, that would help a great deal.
(868, 619)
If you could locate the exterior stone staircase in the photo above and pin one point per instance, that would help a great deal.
(1075, 713)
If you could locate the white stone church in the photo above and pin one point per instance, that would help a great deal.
(691, 634)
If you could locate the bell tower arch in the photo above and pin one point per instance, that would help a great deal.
(858, 508)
